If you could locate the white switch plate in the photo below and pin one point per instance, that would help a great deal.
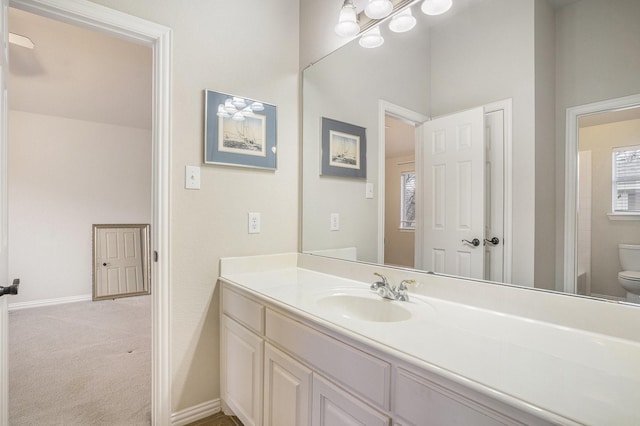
(368, 190)
(254, 223)
(192, 177)
(335, 222)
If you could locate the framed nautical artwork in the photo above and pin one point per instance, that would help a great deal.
(344, 149)
(239, 131)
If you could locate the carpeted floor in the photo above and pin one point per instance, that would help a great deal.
(84, 363)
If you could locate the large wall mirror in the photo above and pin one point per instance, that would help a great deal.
(506, 72)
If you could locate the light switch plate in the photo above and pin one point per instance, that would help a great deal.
(254, 223)
(368, 190)
(192, 177)
(335, 222)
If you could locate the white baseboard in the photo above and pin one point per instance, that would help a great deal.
(49, 302)
(195, 413)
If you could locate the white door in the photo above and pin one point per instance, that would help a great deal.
(119, 261)
(452, 185)
(494, 197)
(4, 246)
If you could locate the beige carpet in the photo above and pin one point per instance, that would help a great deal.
(85, 363)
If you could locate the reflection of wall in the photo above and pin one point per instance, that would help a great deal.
(606, 233)
(399, 246)
(597, 58)
(483, 55)
(347, 86)
(64, 176)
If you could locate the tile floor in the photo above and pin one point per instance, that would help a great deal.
(217, 420)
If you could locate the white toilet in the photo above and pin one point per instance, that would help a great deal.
(629, 278)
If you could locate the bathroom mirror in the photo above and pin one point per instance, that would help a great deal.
(531, 59)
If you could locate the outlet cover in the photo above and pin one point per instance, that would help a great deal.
(254, 223)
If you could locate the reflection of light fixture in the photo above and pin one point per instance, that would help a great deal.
(372, 38)
(378, 9)
(20, 40)
(238, 108)
(436, 7)
(348, 22)
(402, 22)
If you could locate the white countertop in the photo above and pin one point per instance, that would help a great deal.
(552, 371)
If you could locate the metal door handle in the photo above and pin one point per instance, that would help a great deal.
(105, 264)
(475, 242)
(493, 241)
(12, 289)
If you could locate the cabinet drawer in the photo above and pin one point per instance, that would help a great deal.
(358, 371)
(419, 401)
(243, 310)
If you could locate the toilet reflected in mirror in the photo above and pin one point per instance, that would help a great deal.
(629, 277)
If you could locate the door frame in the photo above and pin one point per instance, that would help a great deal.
(387, 108)
(571, 179)
(99, 18)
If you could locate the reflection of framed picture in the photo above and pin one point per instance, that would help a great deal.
(239, 131)
(344, 149)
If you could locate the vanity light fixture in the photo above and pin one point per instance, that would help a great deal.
(436, 7)
(237, 108)
(378, 9)
(402, 22)
(372, 38)
(348, 21)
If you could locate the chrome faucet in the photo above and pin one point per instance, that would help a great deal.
(387, 291)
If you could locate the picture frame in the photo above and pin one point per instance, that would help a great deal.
(239, 131)
(344, 149)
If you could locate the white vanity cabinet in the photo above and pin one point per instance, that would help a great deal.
(280, 368)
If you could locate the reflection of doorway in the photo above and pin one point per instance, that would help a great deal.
(584, 122)
(399, 227)
(404, 121)
(608, 198)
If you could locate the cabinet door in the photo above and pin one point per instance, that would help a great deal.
(287, 390)
(241, 371)
(333, 406)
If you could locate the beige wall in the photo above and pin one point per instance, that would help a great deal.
(248, 49)
(399, 245)
(64, 176)
(606, 234)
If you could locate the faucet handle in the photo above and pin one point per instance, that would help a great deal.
(376, 285)
(403, 284)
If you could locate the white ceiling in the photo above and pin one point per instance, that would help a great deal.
(80, 74)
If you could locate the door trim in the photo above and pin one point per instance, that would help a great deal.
(160, 38)
(397, 111)
(571, 179)
(506, 105)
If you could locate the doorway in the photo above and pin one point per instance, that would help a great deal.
(582, 124)
(90, 15)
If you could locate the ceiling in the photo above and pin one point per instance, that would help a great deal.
(79, 74)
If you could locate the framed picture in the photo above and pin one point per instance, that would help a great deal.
(344, 149)
(239, 131)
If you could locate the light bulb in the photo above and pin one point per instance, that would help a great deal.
(257, 106)
(348, 22)
(378, 9)
(402, 22)
(238, 116)
(371, 38)
(436, 7)
(222, 113)
(238, 102)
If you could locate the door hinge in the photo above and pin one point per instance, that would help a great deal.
(155, 256)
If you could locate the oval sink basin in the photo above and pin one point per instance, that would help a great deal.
(364, 308)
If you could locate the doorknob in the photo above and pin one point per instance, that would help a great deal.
(105, 264)
(475, 242)
(493, 241)
(12, 289)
